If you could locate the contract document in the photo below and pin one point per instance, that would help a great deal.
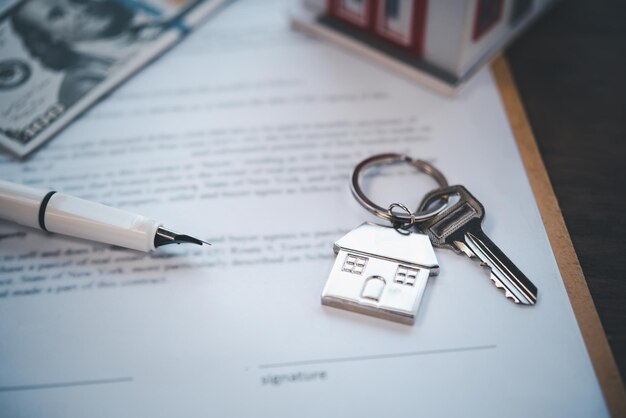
(246, 135)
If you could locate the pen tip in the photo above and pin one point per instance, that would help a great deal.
(165, 236)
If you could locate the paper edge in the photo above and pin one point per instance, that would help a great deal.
(571, 272)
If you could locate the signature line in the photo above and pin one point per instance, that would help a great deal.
(55, 385)
(376, 356)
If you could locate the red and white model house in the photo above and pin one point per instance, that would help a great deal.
(439, 42)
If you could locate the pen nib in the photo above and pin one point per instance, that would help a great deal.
(165, 236)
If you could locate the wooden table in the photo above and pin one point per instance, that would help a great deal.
(570, 69)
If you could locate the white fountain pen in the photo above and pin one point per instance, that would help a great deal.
(69, 215)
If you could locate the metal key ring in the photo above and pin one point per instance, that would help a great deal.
(386, 214)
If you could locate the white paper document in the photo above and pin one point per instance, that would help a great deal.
(246, 135)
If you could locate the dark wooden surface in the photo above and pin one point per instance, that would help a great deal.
(570, 69)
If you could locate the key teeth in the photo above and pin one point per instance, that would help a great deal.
(460, 247)
(507, 292)
(496, 282)
(510, 295)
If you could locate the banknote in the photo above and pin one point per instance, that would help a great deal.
(58, 57)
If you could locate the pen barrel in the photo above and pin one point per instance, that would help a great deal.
(20, 204)
(81, 218)
(69, 215)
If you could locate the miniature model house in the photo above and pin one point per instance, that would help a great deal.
(381, 272)
(439, 42)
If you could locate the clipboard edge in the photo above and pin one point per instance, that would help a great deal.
(578, 292)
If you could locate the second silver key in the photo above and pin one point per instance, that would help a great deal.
(459, 228)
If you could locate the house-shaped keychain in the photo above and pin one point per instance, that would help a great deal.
(438, 43)
(380, 271)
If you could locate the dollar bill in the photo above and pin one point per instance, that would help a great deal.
(58, 57)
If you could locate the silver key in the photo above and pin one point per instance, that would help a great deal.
(459, 228)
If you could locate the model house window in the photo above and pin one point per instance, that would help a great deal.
(354, 264)
(488, 13)
(395, 20)
(406, 275)
(355, 11)
(392, 9)
(520, 9)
